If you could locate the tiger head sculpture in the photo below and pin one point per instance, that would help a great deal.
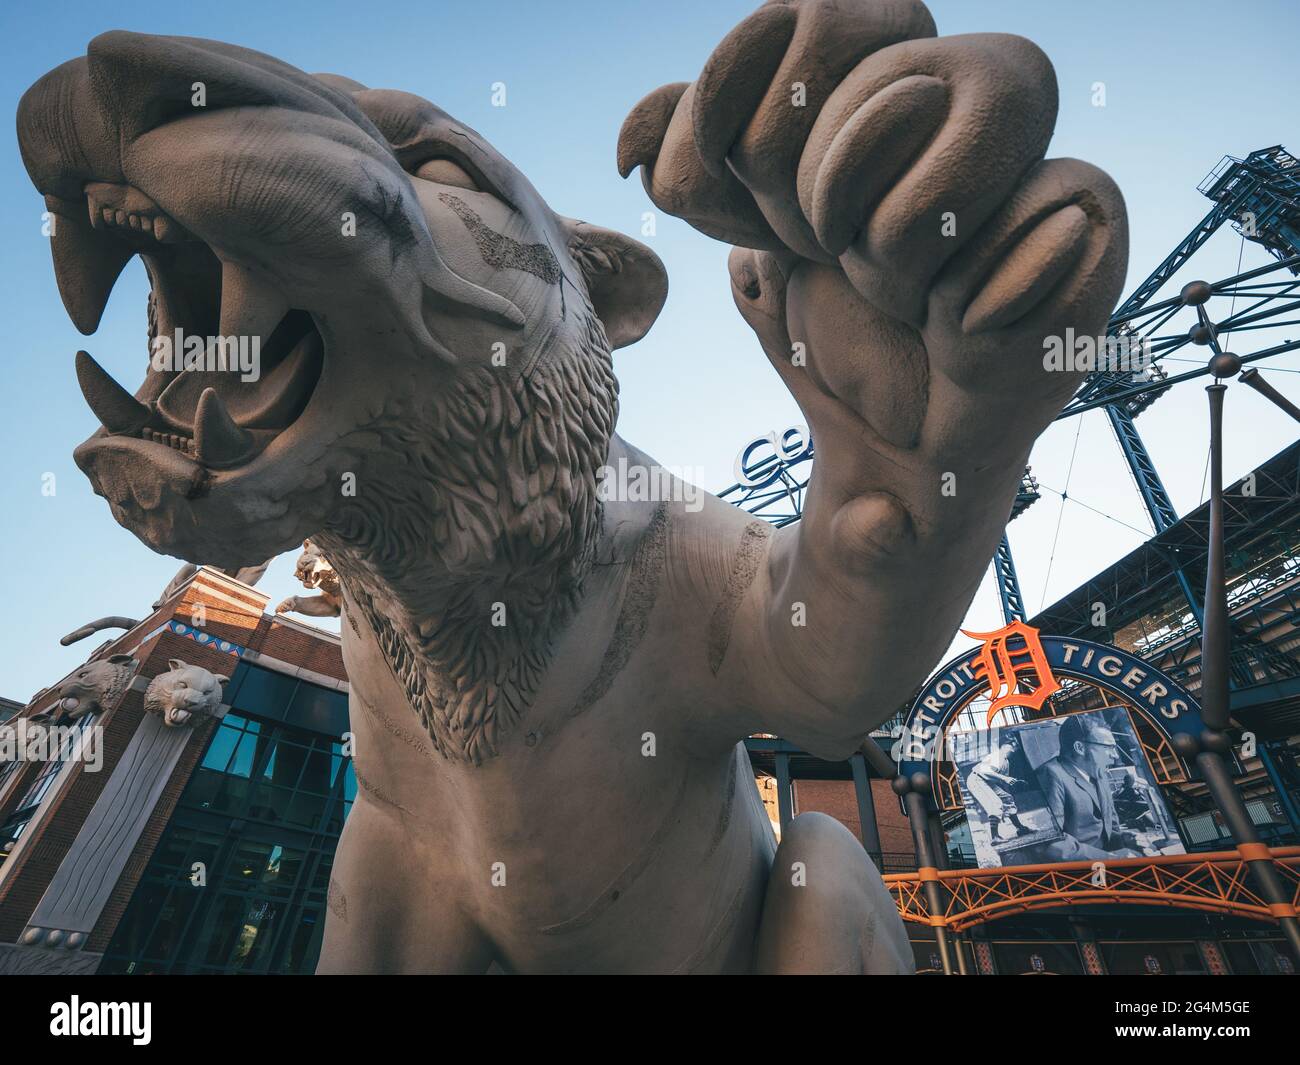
(433, 390)
(92, 686)
(183, 692)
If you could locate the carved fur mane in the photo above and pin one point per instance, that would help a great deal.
(492, 501)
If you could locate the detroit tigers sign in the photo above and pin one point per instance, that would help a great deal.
(1018, 666)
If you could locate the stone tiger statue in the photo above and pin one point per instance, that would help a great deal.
(550, 690)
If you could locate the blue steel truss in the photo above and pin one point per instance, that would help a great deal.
(1004, 569)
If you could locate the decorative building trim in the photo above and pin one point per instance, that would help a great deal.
(309, 630)
(206, 639)
(95, 687)
(1092, 963)
(19, 959)
(1212, 956)
(67, 912)
(275, 665)
(984, 958)
(278, 665)
(232, 591)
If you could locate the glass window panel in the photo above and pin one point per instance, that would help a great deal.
(222, 931)
(291, 807)
(289, 759)
(136, 927)
(319, 708)
(251, 859)
(284, 868)
(168, 918)
(1030, 958)
(1152, 958)
(203, 788)
(239, 932)
(242, 763)
(321, 880)
(40, 786)
(49, 771)
(304, 946)
(265, 693)
(12, 831)
(7, 770)
(174, 849)
(233, 797)
(205, 849)
(223, 744)
(316, 773)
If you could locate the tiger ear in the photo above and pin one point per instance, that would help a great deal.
(626, 280)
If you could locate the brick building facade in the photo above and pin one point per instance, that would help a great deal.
(51, 812)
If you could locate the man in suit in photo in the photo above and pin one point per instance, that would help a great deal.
(1079, 796)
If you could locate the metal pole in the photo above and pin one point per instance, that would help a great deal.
(959, 948)
(925, 857)
(1214, 633)
(866, 810)
(938, 841)
(940, 844)
(1213, 743)
(1256, 381)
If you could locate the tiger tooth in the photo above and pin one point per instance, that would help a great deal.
(115, 407)
(218, 441)
(87, 265)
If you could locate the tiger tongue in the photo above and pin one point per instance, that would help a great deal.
(179, 402)
(261, 398)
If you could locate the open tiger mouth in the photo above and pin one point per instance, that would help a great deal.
(232, 365)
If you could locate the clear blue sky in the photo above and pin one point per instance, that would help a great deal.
(1185, 84)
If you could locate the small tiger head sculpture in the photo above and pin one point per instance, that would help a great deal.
(182, 692)
(92, 685)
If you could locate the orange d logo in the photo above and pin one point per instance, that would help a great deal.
(1010, 653)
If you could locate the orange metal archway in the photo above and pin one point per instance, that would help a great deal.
(1217, 882)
